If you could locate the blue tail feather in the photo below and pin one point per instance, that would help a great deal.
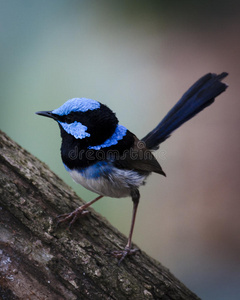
(200, 95)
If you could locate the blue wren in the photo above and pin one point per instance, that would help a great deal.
(110, 160)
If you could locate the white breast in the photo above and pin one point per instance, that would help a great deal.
(117, 183)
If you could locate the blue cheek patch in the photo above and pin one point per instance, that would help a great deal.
(76, 129)
(119, 133)
(76, 104)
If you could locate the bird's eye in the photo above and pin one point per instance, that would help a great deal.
(69, 118)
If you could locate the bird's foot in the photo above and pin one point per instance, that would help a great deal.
(71, 217)
(121, 254)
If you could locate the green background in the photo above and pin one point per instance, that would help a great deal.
(139, 57)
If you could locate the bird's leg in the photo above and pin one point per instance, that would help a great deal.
(121, 254)
(74, 215)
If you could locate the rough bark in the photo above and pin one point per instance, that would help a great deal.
(41, 261)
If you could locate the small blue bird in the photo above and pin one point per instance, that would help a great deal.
(107, 158)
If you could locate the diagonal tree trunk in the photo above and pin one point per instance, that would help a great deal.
(40, 261)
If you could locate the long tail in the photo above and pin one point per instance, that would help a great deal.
(200, 95)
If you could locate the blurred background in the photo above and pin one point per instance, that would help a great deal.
(139, 57)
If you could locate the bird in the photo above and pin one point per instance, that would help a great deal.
(108, 159)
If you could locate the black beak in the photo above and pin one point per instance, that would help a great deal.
(48, 114)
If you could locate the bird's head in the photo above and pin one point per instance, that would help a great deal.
(84, 119)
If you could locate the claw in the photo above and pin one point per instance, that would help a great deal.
(80, 211)
(72, 217)
(121, 254)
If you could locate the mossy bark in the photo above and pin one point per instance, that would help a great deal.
(41, 261)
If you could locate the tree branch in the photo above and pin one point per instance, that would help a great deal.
(41, 261)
